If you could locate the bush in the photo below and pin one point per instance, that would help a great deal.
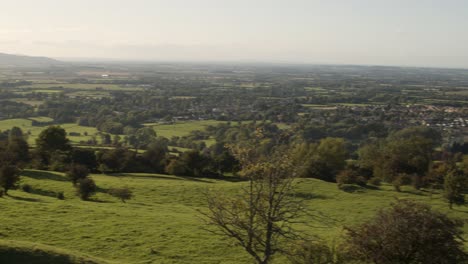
(26, 188)
(85, 188)
(376, 181)
(77, 172)
(122, 193)
(60, 196)
(307, 252)
(350, 176)
(1, 193)
(9, 177)
(428, 237)
(351, 188)
(397, 183)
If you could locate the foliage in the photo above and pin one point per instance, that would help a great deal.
(409, 232)
(77, 172)
(455, 187)
(9, 177)
(85, 188)
(314, 252)
(51, 139)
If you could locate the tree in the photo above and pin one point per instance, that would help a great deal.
(259, 218)
(455, 186)
(85, 188)
(77, 172)
(18, 150)
(85, 157)
(122, 193)
(9, 177)
(53, 141)
(408, 232)
(155, 155)
(53, 138)
(322, 161)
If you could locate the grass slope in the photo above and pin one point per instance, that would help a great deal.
(161, 224)
(20, 252)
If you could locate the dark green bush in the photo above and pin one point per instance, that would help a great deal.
(26, 188)
(60, 196)
(85, 188)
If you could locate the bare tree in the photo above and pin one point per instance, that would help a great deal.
(260, 217)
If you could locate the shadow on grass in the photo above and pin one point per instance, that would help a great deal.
(159, 177)
(43, 175)
(414, 192)
(231, 179)
(94, 200)
(372, 187)
(309, 196)
(43, 192)
(23, 199)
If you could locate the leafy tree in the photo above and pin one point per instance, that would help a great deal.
(455, 186)
(85, 157)
(401, 152)
(194, 161)
(408, 232)
(77, 172)
(9, 177)
(52, 147)
(322, 161)
(53, 138)
(155, 155)
(176, 167)
(85, 188)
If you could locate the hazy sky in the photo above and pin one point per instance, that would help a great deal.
(384, 32)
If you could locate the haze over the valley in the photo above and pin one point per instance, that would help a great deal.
(408, 33)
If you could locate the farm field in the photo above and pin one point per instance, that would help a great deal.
(162, 224)
(34, 131)
(180, 129)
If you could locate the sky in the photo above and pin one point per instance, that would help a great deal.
(432, 33)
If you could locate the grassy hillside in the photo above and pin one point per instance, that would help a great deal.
(33, 253)
(161, 224)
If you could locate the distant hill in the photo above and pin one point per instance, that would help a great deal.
(8, 60)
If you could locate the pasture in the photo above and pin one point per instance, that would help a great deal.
(162, 223)
(34, 131)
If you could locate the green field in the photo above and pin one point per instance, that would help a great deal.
(162, 224)
(27, 127)
(182, 128)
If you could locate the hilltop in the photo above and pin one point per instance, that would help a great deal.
(10, 60)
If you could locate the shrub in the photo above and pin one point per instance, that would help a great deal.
(376, 181)
(26, 188)
(351, 188)
(307, 252)
(429, 237)
(60, 196)
(77, 172)
(85, 188)
(122, 193)
(9, 177)
(398, 182)
(350, 176)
